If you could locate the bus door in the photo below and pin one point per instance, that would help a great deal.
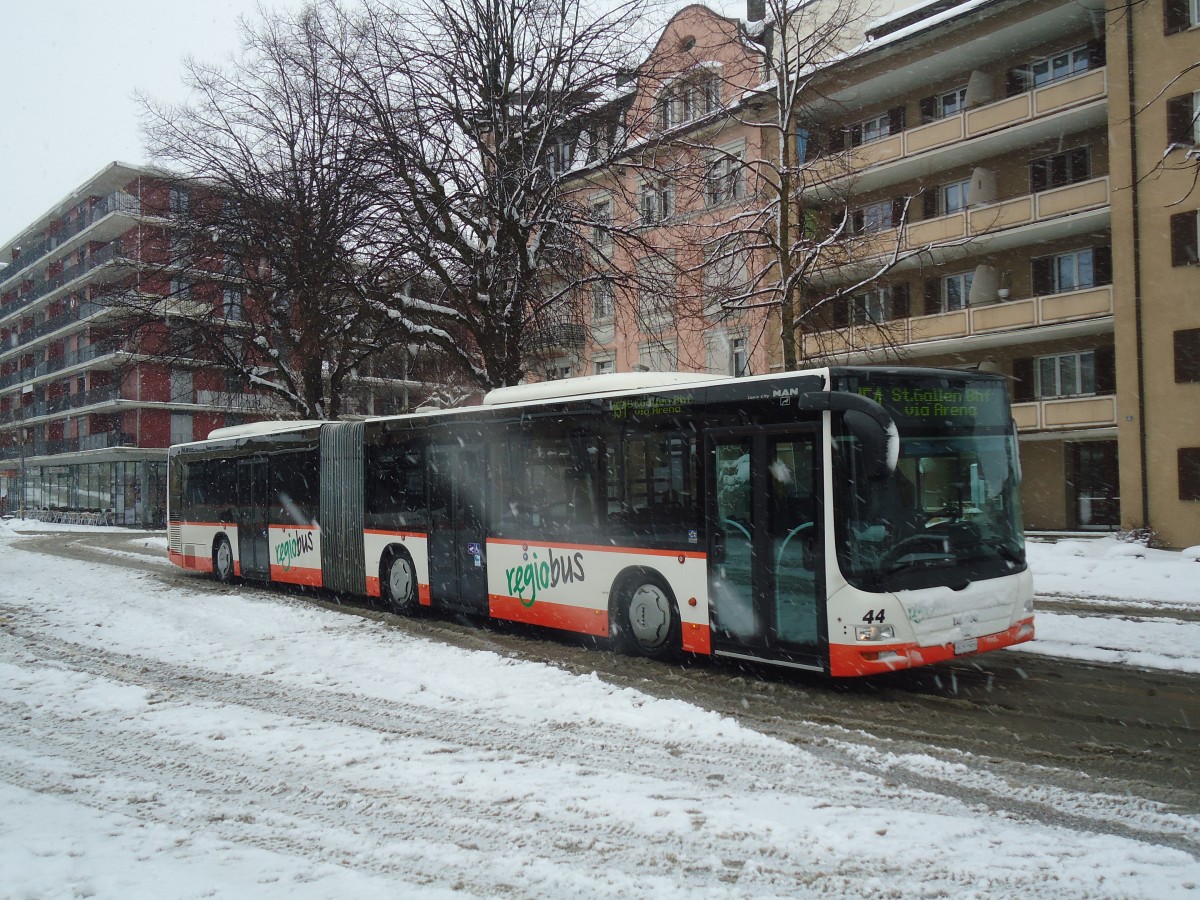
(253, 540)
(765, 545)
(457, 557)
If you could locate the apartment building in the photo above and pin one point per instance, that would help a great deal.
(1023, 175)
(86, 414)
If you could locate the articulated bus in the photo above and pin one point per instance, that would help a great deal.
(845, 520)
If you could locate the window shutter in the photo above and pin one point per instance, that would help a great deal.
(1181, 122)
(1014, 81)
(1023, 387)
(1096, 53)
(1189, 473)
(929, 203)
(1037, 175)
(928, 106)
(933, 295)
(896, 120)
(1187, 356)
(1183, 239)
(1102, 265)
(1106, 370)
(900, 301)
(1043, 276)
(1176, 16)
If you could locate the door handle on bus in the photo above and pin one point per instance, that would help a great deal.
(716, 551)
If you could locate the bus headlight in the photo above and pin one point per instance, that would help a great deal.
(874, 633)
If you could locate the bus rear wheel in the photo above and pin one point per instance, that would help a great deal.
(223, 560)
(398, 584)
(647, 620)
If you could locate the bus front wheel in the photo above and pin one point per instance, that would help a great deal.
(398, 584)
(647, 620)
(223, 560)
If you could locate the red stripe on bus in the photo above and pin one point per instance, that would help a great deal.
(295, 527)
(600, 548)
(697, 638)
(209, 524)
(187, 561)
(296, 575)
(551, 615)
(860, 659)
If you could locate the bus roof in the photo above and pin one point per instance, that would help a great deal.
(255, 428)
(588, 385)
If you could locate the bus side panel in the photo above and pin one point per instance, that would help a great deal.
(567, 586)
(196, 540)
(295, 554)
(375, 544)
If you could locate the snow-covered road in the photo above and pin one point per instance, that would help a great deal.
(226, 745)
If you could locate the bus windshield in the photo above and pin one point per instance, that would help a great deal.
(951, 512)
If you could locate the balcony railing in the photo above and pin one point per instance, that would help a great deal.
(90, 214)
(42, 286)
(1064, 413)
(60, 404)
(992, 318)
(560, 336)
(58, 363)
(1047, 100)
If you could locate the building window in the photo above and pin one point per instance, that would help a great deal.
(1183, 119)
(178, 199)
(231, 305)
(1060, 169)
(879, 305)
(559, 157)
(1053, 68)
(181, 428)
(875, 128)
(1073, 271)
(1066, 374)
(724, 180)
(1187, 356)
(689, 98)
(657, 201)
(1180, 15)
(944, 105)
(604, 303)
(558, 371)
(657, 357)
(602, 237)
(603, 366)
(876, 217)
(656, 292)
(1184, 249)
(954, 197)
(739, 357)
(956, 291)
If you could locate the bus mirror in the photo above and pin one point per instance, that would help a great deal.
(874, 443)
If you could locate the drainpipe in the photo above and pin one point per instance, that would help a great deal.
(1137, 262)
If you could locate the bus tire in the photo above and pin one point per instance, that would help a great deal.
(398, 583)
(222, 560)
(645, 621)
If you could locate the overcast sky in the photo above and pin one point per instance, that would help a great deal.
(68, 73)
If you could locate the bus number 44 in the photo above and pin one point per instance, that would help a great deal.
(872, 617)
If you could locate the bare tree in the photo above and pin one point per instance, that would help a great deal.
(790, 217)
(479, 110)
(269, 253)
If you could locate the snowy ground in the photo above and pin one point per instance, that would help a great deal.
(225, 745)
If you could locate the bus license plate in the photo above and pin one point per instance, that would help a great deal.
(968, 646)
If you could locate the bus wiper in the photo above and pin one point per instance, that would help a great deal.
(1009, 553)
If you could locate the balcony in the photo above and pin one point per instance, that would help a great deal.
(1066, 413)
(116, 202)
(971, 322)
(1001, 126)
(560, 336)
(44, 286)
(58, 363)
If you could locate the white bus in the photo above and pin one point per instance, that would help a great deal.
(847, 520)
